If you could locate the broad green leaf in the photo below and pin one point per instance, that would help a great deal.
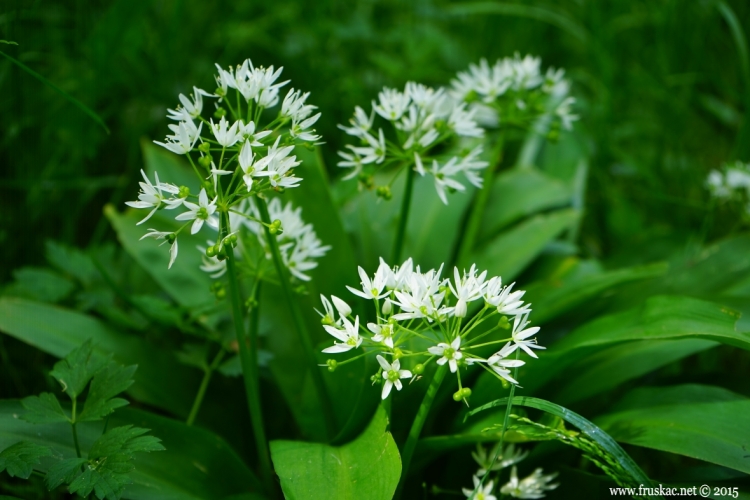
(367, 468)
(74, 371)
(184, 282)
(659, 318)
(196, 465)
(559, 294)
(100, 400)
(519, 193)
(43, 409)
(40, 284)
(611, 367)
(703, 422)
(510, 252)
(586, 427)
(19, 459)
(160, 381)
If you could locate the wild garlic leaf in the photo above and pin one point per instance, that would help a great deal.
(105, 385)
(43, 409)
(78, 367)
(63, 472)
(20, 458)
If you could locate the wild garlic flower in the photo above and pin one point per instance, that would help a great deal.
(457, 321)
(243, 152)
(532, 486)
(420, 119)
(494, 460)
(731, 184)
(514, 91)
(484, 492)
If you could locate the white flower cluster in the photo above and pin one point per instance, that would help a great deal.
(238, 159)
(514, 91)
(732, 182)
(420, 118)
(410, 303)
(532, 486)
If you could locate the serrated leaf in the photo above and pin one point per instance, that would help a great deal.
(43, 409)
(78, 367)
(126, 439)
(71, 261)
(106, 384)
(105, 482)
(63, 472)
(19, 459)
(41, 284)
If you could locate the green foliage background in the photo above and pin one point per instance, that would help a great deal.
(663, 91)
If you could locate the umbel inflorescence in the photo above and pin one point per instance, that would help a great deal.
(424, 122)
(424, 316)
(240, 154)
(731, 184)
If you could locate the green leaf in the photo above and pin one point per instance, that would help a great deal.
(43, 409)
(71, 261)
(77, 368)
(8, 42)
(108, 481)
(63, 472)
(105, 385)
(367, 468)
(40, 284)
(196, 465)
(586, 427)
(510, 252)
(519, 193)
(698, 421)
(19, 459)
(126, 439)
(611, 367)
(659, 318)
(160, 381)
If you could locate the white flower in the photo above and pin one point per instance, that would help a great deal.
(501, 365)
(383, 333)
(341, 306)
(276, 165)
(225, 134)
(448, 353)
(509, 456)
(506, 301)
(421, 297)
(462, 122)
(483, 493)
(563, 112)
(521, 334)
(202, 212)
(392, 373)
(426, 98)
(298, 130)
(151, 196)
(348, 335)
(469, 165)
(190, 108)
(184, 138)
(360, 123)
(214, 174)
(248, 132)
(526, 72)
(532, 486)
(443, 177)
(350, 160)
(466, 289)
(371, 288)
(246, 161)
(374, 152)
(392, 104)
(173, 249)
(294, 106)
(328, 315)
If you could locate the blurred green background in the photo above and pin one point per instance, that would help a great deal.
(661, 88)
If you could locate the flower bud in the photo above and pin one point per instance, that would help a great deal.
(210, 252)
(503, 323)
(170, 237)
(332, 364)
(466, 392)
(251, 302)
(205, 161)
(458, 395)
(384, 192)
(275, 227)
(418, 370)
(398, 353)
(204, 147)
(184, 192)
(387, 307)
(221, 293)
(220, 112)
(341, 306)
(461, 308)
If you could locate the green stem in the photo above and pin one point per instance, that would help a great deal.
(480, 203)
(75, 431)
(299, 322)
(398, 243)
(416, 426)
(249, 361)
(209, 371)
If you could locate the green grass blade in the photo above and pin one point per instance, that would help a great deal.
(69, 97)
(592, 431)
